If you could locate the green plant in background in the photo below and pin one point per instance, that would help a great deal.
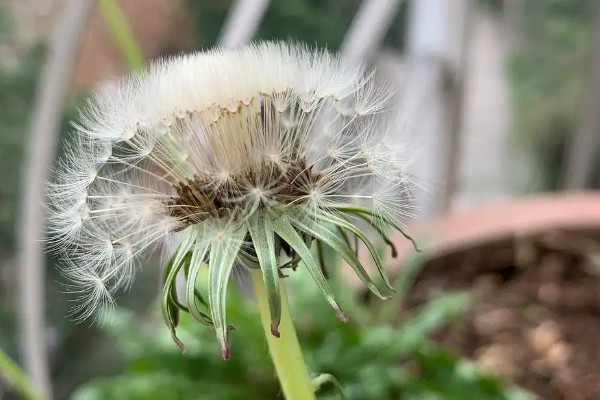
(547, 73)
(121, 32)
(384, 352)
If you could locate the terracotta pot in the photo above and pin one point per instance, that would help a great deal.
(490, 223)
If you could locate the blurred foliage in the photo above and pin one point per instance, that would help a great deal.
(18, 83)
(548, 72)
(491, 5)
(17, 90)
(320, 22)
(383, 353)
(17, 94)
(6, 23)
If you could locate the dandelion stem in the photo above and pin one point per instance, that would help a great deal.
(285, 350)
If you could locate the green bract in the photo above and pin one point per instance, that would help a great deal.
(262, 241)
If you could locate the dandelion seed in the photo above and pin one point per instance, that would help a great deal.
(225, 158)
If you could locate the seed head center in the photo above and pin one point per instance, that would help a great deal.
(206, 196)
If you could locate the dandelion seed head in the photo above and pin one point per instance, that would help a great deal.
(185, 155)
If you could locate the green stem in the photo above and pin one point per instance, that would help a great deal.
(121, 32)
(285, 350)
(17, 379)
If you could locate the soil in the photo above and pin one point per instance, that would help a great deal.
(536, 321)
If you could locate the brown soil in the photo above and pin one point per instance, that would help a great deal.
(536, 321)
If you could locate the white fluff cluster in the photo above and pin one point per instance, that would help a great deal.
(207, 139)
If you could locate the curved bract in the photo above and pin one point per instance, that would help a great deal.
(225, 158)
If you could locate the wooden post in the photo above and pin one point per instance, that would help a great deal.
(368, 28)
(581, 156)
(242, 22)
(454, 102)
(437, 41)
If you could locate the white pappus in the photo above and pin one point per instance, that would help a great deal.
(236, 155)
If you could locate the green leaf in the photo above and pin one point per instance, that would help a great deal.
(381, 233)
(361, 210)
(344, 236)
(223, 253)
(198, 255)
(263, 238)
(332, 240)
(435, 314)
(345, 224)
(284, 228)
(169, 308)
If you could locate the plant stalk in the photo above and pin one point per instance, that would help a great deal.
(18, 380)
(285, 350)
(121, 32)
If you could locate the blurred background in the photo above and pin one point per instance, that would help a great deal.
(500, 100)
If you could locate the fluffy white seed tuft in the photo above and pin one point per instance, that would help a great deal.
(216, 136)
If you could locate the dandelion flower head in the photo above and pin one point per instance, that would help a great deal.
(222, 158)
